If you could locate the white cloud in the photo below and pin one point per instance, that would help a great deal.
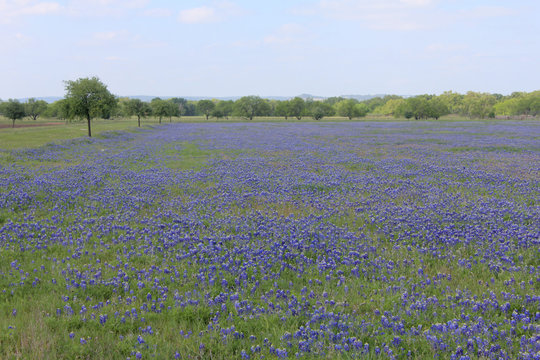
(110, 35)
(209, 14)
(11, 10)
(399, 15)
(488, 11)
(377, 15)
(158, 12)
(200, 15)
(103, 7)
(286, 34)
(380, 15)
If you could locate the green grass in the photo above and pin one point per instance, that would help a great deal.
(29, 137)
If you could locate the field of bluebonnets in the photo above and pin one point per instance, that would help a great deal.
(390, 240)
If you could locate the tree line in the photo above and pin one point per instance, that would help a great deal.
(88, 98)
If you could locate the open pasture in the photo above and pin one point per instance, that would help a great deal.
(274, 240)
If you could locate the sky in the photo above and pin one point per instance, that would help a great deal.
(226, 48)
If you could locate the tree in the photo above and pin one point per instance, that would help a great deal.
(453, 101)
(437, 108)
(34, 108)
(172, 110)
(334, 100)
(250, 106)
(479, 104)
(181, 104)
(361, 109)
(88, 98)
(13, 110)
(390, 107)
(347, 108)
(190, 109)
(282, 109)
(138, 108)
(223, 109)
(297, 107)
(160, 108)
(319, 109)
(205, 107)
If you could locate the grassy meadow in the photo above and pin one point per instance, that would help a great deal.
(270, 239)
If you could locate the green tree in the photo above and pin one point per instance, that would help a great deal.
(181, 104)
(334, 100)
(361, 109)
(136, 107)
(529, 104)
(437, 108)
(347, 108)
(297, 107)
(390, 107)
(190, 109)
(160, 108)
(13, 110)
(453, 102)
(319, 109)
(250, 106)
(34, 108)
(172, 109)
(479, 104)
(88, 98)
(282, 109)
(205, 107)
(223, 109)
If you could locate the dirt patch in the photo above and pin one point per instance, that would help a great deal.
(8, 126)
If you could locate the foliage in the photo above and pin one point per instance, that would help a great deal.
(347, 108)
(181, 103)
(319, 109)
(297, 107)
(519, 104)
(250, 106)
(160, 108)
(479, 105)
(421, 107)
(13, 110)
(88, 98)
(223, 109)
(34, 108)
(206, 107)
(390, 107)
(136, 107)
(282, 109)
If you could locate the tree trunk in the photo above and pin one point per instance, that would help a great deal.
(139, 120)
(160, 119)
(13, 124)
(89, 128)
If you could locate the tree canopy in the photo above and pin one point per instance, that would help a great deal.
(206, 107)
(138, 108)
(13, 110)
(250, 106)
(34, 108)
(88, 98)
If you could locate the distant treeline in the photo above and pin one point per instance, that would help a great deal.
(471, 104)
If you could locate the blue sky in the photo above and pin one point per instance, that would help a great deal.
(283, 48)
